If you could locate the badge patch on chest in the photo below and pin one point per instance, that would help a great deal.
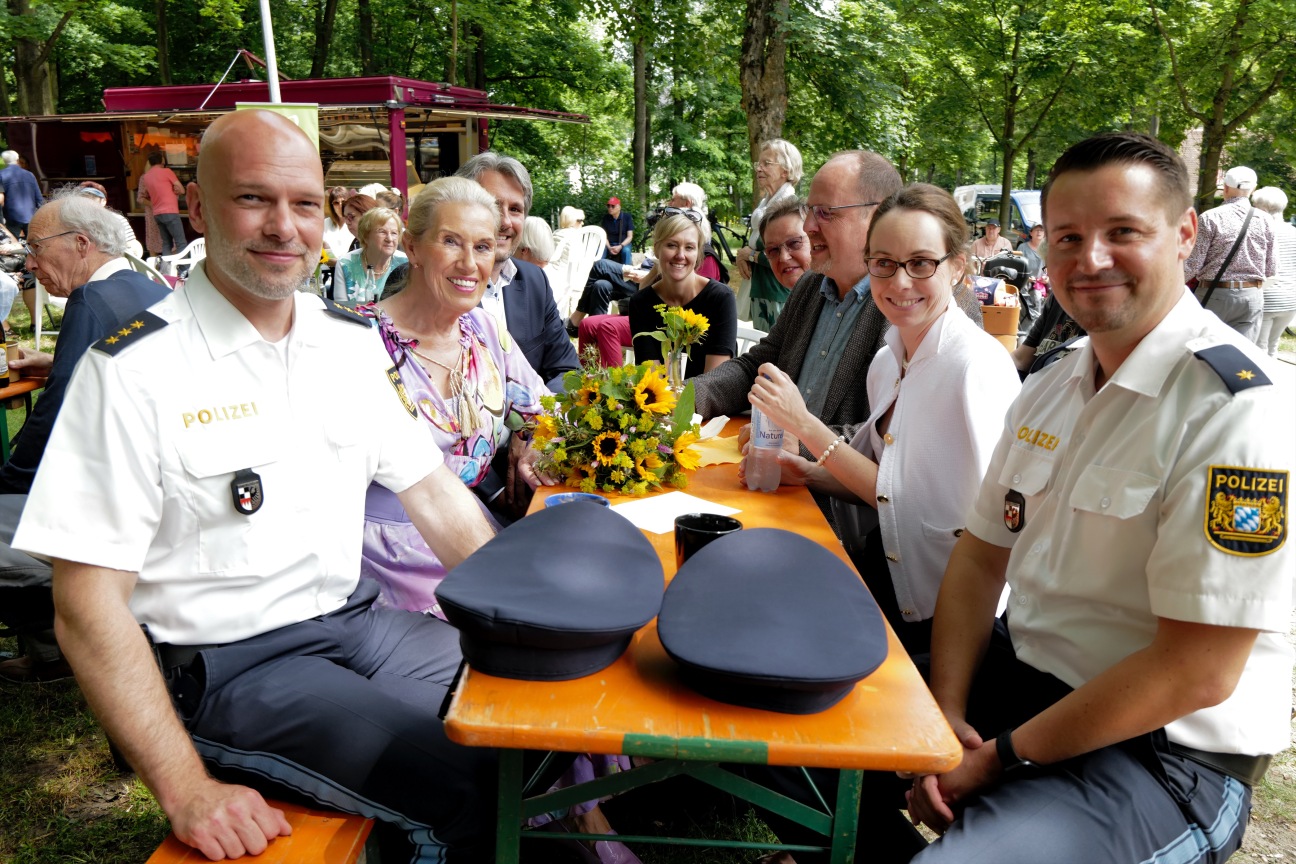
(246, 489)
(1246, 509)
(1014, 511)
(394, 377)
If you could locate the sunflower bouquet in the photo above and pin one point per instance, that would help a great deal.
(619, 430)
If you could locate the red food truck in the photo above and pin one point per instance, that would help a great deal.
(396, 131)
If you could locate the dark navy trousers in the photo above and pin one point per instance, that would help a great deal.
(1132, 802)
(341, 710)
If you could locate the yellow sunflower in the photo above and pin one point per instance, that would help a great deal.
(587, 396)
(645, 464)
(578, 474)
(607, 447)
(685, 456)
(694, 320)
(546, 429)
(653, 394)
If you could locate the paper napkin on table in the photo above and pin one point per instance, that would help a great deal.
(657, 514)
(718, 451)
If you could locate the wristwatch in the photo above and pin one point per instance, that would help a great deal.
(1008, 757)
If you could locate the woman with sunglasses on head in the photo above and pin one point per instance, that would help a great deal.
(939, 390)
(761, 296)
(674, 281)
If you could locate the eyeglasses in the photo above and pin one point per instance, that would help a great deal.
(791, 247)
(694, 216)
(917, 268)
(826, 214)
(768, 163)
(32, 248)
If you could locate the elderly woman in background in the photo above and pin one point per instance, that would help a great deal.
(939, 390)
(337, 235)
(571, 217)
(1279, 289)
(674, 281)
(785, 244)
(760, 296)
(536, 245)
(379, 233)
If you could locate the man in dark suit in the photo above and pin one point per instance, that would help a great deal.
(76, 252)
(519, 294)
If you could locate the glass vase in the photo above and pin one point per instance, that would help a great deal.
(675, 365)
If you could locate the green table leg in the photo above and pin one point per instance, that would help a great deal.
(846, 817)
(508, 830)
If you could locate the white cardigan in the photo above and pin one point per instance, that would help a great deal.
(949, 415)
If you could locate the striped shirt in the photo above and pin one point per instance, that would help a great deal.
(1280, 290)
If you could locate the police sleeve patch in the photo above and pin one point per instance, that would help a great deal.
(131, 332)
(1235, 369)
(1246, 509)
(346, 313)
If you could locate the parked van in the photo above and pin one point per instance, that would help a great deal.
(981, 202)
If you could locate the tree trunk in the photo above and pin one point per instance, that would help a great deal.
(640, 146)
(1213, 138)
(325, 12)
(163, 49)
(5, 110)
(364, 12)
(452, 62)
(1031, 169)
(479, 56)
(762, 72)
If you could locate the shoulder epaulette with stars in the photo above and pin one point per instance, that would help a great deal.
(131, 332)
(1237, 370)
(337, 310)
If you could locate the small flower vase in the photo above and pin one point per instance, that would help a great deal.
(675, 365)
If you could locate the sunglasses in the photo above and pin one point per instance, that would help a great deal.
(693, 215)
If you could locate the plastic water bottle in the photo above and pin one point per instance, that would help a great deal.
(763, 470)
(369, 290)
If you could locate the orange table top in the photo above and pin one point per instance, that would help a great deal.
(639, 705)
(21, 387)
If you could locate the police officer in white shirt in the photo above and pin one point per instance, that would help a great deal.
(210, 485)
(1137, 508)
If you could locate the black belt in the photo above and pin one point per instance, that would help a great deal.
(174, 656)
(1247, 769)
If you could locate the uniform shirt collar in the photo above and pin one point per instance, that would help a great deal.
(1148, 366)
(224, 328)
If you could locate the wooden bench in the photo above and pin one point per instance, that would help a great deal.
(319, 837)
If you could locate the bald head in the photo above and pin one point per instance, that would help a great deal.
(229, 138)
(259, 200)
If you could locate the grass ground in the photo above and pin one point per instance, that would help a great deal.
(61, 800)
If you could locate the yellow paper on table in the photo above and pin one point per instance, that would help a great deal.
(718, 451)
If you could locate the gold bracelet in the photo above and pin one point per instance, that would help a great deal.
(831, 447)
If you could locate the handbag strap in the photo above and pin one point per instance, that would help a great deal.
(1210, 286)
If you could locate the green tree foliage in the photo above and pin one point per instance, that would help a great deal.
(1228, 58)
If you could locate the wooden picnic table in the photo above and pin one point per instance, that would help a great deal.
(639, 706)
(21, 388)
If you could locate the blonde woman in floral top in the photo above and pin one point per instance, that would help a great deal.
(457, 368)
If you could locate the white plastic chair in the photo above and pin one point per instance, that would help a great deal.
(43, 302)
(748, 336)
(586, 245)
(190, 255)
(139, 265)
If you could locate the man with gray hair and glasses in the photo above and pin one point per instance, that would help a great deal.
(518, 294)
(74, 248)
